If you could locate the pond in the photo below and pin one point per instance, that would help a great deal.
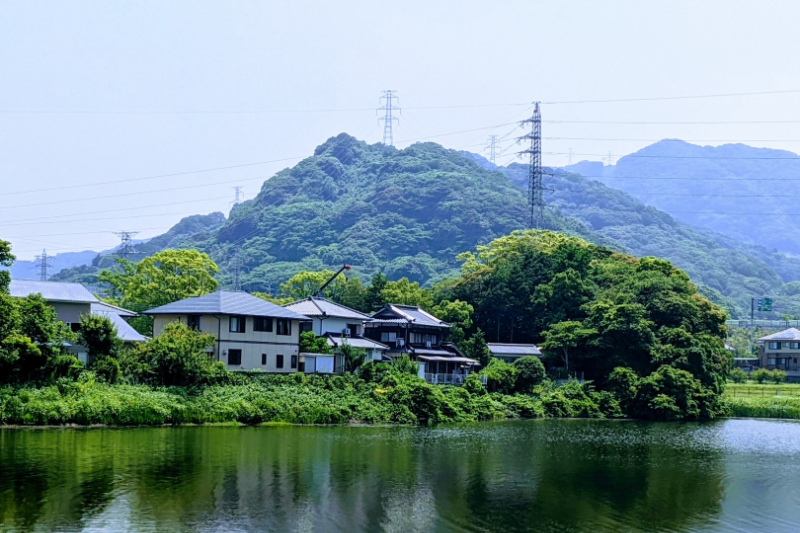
(546, 475)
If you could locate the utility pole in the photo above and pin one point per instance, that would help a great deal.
(491, 149)
(43, 264)
(569, 157)
(535, 185)
(238, 197)
(125, 247)
(388, 106)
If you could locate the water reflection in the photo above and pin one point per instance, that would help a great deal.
(512, 476)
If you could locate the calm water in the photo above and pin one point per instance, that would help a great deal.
(512, 476)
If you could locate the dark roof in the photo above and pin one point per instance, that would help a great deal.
(313, 306)
(499, 348)
(410, 314)
(52, 291)
(226, 303)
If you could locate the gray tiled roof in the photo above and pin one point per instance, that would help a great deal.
(124, 330)
(791, 334)
(312, 306)
(411, 314)
(102, 307)
(355, 342)
(52, 291)
(226, 303)
(498, 348)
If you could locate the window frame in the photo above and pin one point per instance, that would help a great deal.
(190, 319)
(241, 322)
(230, 353)
(283, 322)
(293, 362)
(263, 359)
(279, 361)
(388, 336)
(266, 321)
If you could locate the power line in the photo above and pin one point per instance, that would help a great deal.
(639, 122)
(671, 140)
(125, 247)
(388, 107)
(793, 157)
(654, 98)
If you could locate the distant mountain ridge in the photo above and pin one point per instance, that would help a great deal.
(747, 193)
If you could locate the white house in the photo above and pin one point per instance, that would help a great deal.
(251, 333)
(71, 301)
(338, 324)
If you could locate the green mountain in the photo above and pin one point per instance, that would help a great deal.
(740, 191)
(411, 211)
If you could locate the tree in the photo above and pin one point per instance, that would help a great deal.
(458, 314)
(353, 357)
(565, 336)
(99, 336)
(373, 299)
(531, 372)
(310, 343)
(178, 356)
(6, 260)
(404, 292)
(163, 278)
(305, 283)
(475, 348)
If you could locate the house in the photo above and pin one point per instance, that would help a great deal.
(251, 333)
(511, 352)
(409, 330)
(781, 350)
(71, 301)
(338, 324)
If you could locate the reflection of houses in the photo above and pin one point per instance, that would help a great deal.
(409, 330)
(781, 350)
(251, 333)
(338, 324)
(511, 352)
(71, 301)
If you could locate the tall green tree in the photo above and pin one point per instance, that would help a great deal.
(99, 336)
(405, 292)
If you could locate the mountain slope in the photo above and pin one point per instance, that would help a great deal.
(743, 192)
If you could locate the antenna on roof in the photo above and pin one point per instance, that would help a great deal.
(318, 294)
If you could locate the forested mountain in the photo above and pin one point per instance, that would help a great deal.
(411, 211)
(746, 193)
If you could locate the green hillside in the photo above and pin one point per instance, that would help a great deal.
(411, 211)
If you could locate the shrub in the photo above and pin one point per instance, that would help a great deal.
(738, 375)
(531, 372)
(67, 366)
(404, 365)
(777, 376)
(761, 375)
(106, 368)
(99, 335)
(500, 376)
(373, 372)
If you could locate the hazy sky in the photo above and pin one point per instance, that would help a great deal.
(92, 93)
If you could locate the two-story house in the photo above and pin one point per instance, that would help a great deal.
(338, 324)
(251, 333)
(780, 350)
(410, 330)
(70, 301)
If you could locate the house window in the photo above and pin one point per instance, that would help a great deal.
(262, 323)
(237, 324)
(279, 361)
(794, 345)
(353, 329)
(388, 336)
(774, 346)
(306, 326)
(264, 359)
(771, 361)
(284, 326)
(423, 338)
(74, 327)
(193, 321)
(234, 357)
(294, 361)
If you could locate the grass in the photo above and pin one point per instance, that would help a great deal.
(761, 390)
(768, 407)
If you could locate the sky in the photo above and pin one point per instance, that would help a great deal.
(127, 116)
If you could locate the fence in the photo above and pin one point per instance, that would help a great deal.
(762, 392)
(450, 379)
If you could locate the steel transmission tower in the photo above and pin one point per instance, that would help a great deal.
(535, 186)
(491, 149)
(43, 264)
(237, 269)
(388, 106)
(125, 247)
(238, 197)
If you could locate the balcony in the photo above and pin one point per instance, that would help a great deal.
(450, 379)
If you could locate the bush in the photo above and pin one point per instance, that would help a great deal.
(106, 369)
(738, 375)
(373, 372)
(761, 375)
(500, 376)
(531, 372)
(777, 376)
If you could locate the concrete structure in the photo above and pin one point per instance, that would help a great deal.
(250, 333)
(511, 352)
(781, 350)
(338, 324)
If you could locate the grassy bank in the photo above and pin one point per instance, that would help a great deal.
(764, 400)
(291, 399)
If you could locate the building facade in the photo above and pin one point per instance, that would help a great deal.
(780, 350)
(250, 333)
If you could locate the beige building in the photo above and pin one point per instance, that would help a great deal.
(251, 333)
(781, 350)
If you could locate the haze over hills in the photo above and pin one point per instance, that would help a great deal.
(750, 194)
(410, 212)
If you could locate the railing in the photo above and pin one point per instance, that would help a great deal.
(450, 379)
